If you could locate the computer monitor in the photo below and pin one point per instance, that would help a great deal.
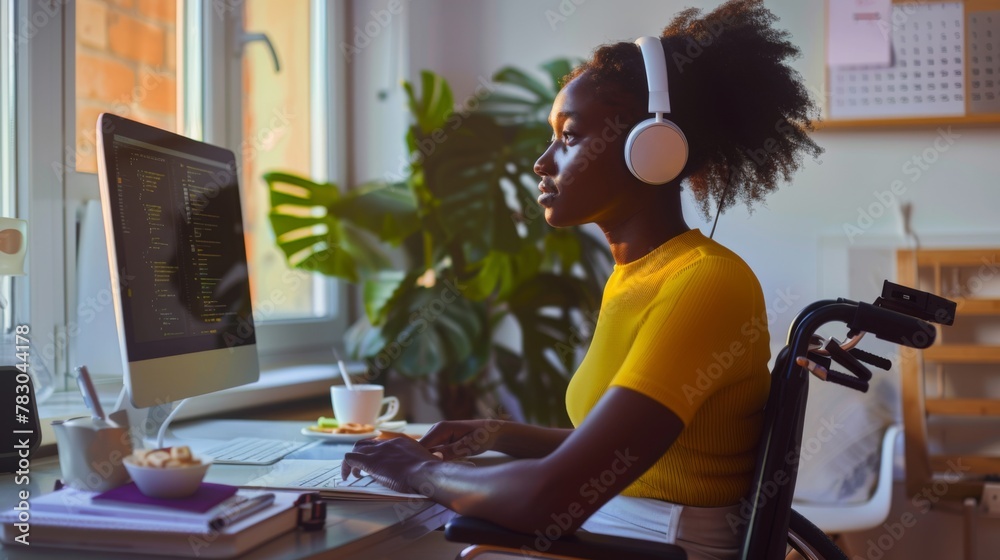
(180, 283)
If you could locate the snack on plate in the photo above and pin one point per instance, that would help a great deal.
(168, 457)
(393, 435)
(325, 422)
(353, 428)
(321, 429)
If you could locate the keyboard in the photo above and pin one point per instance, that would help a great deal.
(253, 451)
(330, 478)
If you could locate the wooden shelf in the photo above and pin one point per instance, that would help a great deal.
(973, 306)
(932, 268)
(951, 257)
(826, 124)
(973, 464)
(963, 407)
(962, 354)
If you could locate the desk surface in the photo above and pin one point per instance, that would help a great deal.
(353, 529)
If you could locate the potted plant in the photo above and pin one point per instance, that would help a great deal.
(476, 252)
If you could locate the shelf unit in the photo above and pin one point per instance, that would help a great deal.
(969, 277)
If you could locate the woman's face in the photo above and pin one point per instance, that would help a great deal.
(584, 175)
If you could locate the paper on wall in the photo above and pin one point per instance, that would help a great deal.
(859, 33)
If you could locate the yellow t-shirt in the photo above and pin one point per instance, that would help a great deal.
(686, 326)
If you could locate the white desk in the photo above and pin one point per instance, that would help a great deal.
(353, 529)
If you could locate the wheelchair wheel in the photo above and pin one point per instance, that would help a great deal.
(805, 540)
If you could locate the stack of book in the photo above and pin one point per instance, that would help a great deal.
(218, 521)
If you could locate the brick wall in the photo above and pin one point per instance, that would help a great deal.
(125, 64)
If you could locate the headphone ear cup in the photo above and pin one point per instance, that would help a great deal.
(656, 151)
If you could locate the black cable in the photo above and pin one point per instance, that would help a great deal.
(722, 202)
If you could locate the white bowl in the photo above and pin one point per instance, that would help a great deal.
(168, 482)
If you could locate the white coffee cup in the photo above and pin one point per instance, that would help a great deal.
(362, 404)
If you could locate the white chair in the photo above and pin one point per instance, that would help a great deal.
(844, 518)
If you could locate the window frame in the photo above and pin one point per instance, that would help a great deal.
(8, 128)
(41, 303)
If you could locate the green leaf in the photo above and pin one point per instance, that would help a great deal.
(312, 237)
(562, 248)
(363, 341)
(434, 106)
(516, 77)
(283, 224)
(389, 211)
(365, 251)
(509, 364)
(383, 289)
(473, 367)
(423, 356)
(500, 273)
(333, 261)
(527, 101)
(595, 260)
(458, 343)
(312, 193)
(557, 70)
(292, 247)
(549, 340)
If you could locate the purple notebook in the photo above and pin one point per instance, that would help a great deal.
(205, 498)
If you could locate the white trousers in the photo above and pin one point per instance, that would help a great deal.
(704, 533)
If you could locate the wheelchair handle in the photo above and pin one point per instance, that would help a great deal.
(893, 326)
(848, 381)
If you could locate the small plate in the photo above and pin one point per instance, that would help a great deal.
(342, 438)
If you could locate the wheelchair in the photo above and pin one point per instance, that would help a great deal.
(771, 528)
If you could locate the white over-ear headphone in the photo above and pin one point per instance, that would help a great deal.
(656, 150)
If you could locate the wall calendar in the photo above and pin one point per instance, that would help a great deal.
(945, 63)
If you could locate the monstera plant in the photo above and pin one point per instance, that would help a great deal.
(477, 255)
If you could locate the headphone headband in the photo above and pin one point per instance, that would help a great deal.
(656, 150)
(656, 73)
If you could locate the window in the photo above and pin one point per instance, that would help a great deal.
(126, 63)
(170, 64)
(285, 106)
(165, 64)
(278, 134)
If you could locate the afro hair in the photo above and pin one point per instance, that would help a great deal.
(745, 112)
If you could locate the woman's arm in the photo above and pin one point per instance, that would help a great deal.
(621, 438)
(464, 438)
(525, 441)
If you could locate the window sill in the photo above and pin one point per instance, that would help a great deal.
(277, 384)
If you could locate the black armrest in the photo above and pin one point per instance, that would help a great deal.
(590, 546)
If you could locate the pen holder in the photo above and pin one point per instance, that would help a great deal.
(92, 451)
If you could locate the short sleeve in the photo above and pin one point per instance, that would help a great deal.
(697, 336)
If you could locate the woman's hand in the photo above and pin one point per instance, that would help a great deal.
(392, 463)
(464, 438)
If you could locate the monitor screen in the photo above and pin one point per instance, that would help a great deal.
(174, 230)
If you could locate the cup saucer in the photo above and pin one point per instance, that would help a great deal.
(391, 426)
(338, 438)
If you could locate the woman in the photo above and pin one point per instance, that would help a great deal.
(668, 401)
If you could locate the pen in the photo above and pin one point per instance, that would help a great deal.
(241, 510)
(89, 394)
